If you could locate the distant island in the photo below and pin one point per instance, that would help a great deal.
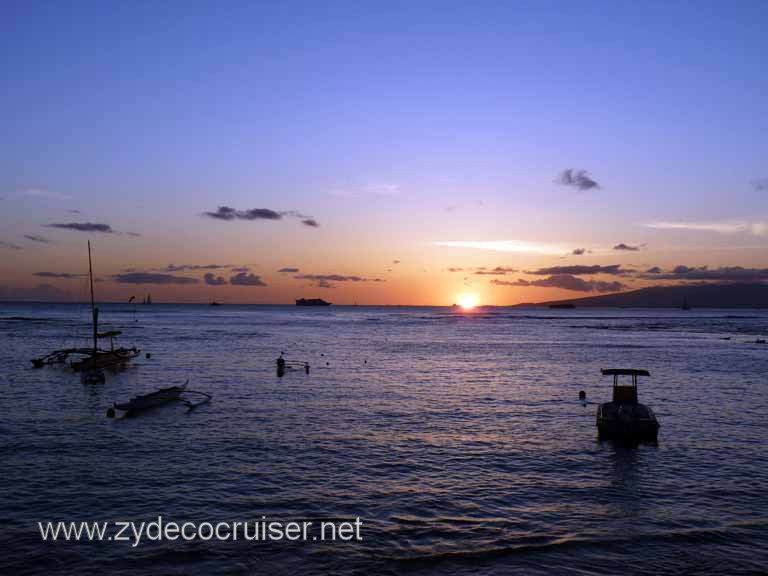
(695, 296)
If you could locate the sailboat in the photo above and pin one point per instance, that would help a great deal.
(102, 358)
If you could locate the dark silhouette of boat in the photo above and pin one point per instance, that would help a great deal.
(147, 300)
(214, 303)
(625, 418)
(92, 359)
(312, 302)
(147, 401)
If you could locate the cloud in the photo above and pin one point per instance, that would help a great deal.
(10, 245)
(654, 270)
(498, 271)
(577, 270)
(455, 269)
(505, 246)
(567, 282)
(626, 247)
(241, 269)
(74, 211)
(83, 227)
(152, 278)
(212, 280)
(64, 275)
(760, 184)
(577, 178)
(134, 234)
(324, 284)
(578, 251)
(395, 261)
(704, 273)
(40, 239)
(336, 278)
(756, 228)
(39, 193)
(288, 270)
(182, 267)
(228, 213)
(245, 279)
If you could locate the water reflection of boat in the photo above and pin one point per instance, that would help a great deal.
(624, 417)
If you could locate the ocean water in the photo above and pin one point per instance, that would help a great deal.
(457, 438)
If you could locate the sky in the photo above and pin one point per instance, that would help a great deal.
(380, 152)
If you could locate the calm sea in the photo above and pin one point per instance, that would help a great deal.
(457, 438)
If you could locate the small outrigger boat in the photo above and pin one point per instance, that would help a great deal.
(147, 401)
(158, 398)
(92, 358)
(625, 418)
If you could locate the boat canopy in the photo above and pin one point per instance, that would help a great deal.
(624, 372)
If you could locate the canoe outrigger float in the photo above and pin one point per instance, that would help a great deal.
(158, 398)
(624, 417)
(92, 358)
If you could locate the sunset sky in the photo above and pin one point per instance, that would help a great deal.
(400, 153)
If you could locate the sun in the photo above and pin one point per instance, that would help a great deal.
(467, 301)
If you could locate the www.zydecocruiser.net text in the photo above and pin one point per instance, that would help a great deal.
(160, 530)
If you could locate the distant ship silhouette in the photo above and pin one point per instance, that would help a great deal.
(312, 302)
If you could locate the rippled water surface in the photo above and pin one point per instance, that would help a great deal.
(457, 437)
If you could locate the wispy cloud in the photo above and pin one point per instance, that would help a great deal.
(578, 251)
(760, 184)
(183, 267)
(47, 194)
(83, 227)
(565, 282)
(152, 278)
(245, 279)
(288, 270)
(579, 179)
(756, 228)
(10, 245)
(227, 213)
(498, 271)
(38, 239)
(505, 246)
(63, 275)
(212, 280)
(336, 278)
(626, 247)
(578, 270)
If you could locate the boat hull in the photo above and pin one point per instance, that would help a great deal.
(152, 400)
(630, 421)
(105, 359)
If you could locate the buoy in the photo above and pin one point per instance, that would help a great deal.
(306, 368)
(148, 355)
(110, 412)
(582, 395)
